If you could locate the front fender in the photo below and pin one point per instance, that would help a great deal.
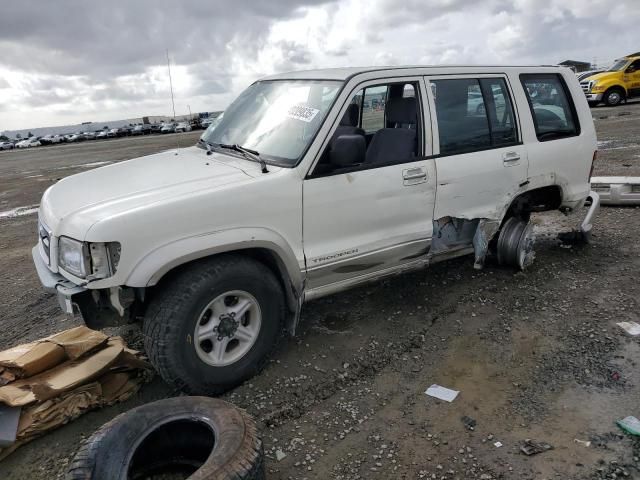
(153, 266)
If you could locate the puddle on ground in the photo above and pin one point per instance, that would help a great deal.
(19, 211)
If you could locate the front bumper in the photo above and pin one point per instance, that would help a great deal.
(594, 97)
(587, 224)
(56, 283)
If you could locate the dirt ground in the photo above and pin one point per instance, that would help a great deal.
(535, 355)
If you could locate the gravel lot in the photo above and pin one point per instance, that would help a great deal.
(535, 355)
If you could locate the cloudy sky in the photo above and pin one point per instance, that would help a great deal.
(64, 61)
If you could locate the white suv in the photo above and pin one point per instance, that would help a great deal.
(311, 183)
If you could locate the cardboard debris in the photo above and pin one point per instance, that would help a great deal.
(76, 370)
(32, 358)
(61, 378)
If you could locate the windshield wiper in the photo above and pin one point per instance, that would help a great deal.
(207, 145)
(247, 153)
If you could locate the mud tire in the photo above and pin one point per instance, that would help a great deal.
(169, 323)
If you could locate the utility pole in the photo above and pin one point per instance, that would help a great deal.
(189, 107)
(173, 105)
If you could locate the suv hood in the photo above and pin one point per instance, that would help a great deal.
(78, 201)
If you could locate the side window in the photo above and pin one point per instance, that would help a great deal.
(380, 126)
(554, 114)
(375, 99)
(500, 112)
(461, 113)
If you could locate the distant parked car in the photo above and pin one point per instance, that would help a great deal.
(75, 137)
(582, 75)
(156, 127)
(50, 139)
(182, 127)
(114, 132)
(89, 135)
(6, 146)
(102, 134)
(168, 128)
(28, 143)
(205, 122)
(143, 129)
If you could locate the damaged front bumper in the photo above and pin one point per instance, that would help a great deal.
(56, 283)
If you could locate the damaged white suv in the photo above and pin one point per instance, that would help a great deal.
(312, 183)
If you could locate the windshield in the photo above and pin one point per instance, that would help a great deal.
(618, 65)
(276, 118)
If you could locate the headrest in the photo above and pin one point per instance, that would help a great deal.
(401, 110)
(350, 117)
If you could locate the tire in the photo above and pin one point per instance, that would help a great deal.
(613, 97)
(178, 313)
(198, 437)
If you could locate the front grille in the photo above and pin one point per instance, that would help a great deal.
(586, 87)
(44, 235)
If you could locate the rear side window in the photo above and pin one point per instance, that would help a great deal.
(554, 114)
(473, 114)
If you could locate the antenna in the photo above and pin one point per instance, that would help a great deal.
(173, 105)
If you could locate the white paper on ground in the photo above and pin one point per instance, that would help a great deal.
(632, 328)
(498, 444)
(442, 393)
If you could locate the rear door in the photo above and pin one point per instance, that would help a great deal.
(480, 159)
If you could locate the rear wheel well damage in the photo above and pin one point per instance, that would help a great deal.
(482, 234)
(538, 200)
(98, 309)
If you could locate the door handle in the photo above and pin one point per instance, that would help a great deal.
(510, 158)
(414, 174)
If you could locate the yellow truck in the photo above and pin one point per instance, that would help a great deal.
(617, 84)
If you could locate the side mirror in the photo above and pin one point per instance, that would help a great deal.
(348, 150)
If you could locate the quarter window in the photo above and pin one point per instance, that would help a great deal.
(554, 114)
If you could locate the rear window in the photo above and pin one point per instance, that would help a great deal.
(553, 111)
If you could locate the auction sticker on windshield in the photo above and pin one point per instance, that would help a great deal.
(301, 112)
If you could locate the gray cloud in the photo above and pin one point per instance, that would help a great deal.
(70, 59)
(122, 38)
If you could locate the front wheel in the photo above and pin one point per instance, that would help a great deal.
(613, 97)
(214, 324)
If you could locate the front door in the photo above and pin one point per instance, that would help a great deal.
(369, 217)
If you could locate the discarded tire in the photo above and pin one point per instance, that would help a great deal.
(186, 437)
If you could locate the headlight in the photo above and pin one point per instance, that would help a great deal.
(88, 260)
(73, 256)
